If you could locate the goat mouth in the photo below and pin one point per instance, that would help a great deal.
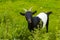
(29, 20)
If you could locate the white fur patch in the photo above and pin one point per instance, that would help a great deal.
(43, 17)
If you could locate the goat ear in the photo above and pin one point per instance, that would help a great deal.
(22, 13)
(34, 12)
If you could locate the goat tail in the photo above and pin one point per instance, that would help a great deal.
(48, 13)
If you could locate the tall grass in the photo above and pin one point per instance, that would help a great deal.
(13, 26)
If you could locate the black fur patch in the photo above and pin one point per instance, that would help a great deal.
(37, 22)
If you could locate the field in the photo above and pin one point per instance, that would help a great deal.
(13, 26)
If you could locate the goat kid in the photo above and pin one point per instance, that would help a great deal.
(34, 21)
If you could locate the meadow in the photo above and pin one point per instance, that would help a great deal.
(13, 26)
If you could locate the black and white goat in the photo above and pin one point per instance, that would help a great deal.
(34, 21)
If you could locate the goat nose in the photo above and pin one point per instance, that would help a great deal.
(29, 20)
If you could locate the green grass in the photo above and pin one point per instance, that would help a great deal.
(14, 26)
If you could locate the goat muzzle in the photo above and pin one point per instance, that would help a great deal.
(29, 20)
